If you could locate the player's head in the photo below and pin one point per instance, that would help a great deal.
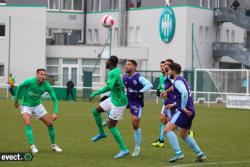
(112, 62)
(130, 66)
(174, 70)
(168, 62)
(162, 66)
(41, 75)
(10, 75)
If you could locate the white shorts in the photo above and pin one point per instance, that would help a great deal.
(115, 112)
(38, 111)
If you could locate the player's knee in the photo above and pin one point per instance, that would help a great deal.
(27, 122)
(49, 123)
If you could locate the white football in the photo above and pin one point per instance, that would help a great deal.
(108, 21)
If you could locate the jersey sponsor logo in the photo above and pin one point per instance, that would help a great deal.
(134, 82)
(130, 90)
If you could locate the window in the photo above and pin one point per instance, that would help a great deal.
(116, 35)
(134, 3)
(67, 4)
(2, 2)
(96, 5)
(78, 34)
(89, 36)
(227, 35)
(201, 32)
(2, 30)
(1, 70)
(75, 5)
(96, 36)
(52, 70)
(232, 36)
(113, 4)
(207, 34)
(52, 61)
(70, 61)
(90, 65)
(53, 4)
(131, 34)
(138, 34)
(217, 35)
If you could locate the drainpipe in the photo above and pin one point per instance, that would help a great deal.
(85, 21)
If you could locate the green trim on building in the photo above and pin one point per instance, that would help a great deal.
(103, 11)
(25, 5)
(64, 12)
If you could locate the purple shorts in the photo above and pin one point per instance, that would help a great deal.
(136, 110)
(181, 120)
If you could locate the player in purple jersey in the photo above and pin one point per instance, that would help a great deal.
(183, 117)
(163, 94)
(136, 86)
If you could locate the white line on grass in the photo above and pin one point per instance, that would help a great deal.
(212, 163)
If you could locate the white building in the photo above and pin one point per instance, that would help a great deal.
(66, 36)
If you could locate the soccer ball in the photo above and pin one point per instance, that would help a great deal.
(108, 21)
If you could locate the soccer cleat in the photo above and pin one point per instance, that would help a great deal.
(121, 154)
(56, 148)
(158, 143)
(136, 152)
(191, 133)
(200, 158)
(98, 137)
(176, 158)
(34, 149)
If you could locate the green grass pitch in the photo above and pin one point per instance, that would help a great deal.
(223, 134)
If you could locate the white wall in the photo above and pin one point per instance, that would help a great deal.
(27, 46)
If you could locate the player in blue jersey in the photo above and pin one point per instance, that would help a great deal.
(136, 86)
(183, 117)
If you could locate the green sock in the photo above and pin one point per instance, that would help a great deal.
(118, 138)
(98, 120)
(51, 134)
(29, 134)
(161, 124)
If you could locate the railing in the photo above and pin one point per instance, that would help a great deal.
(237, 17)
(237, 51)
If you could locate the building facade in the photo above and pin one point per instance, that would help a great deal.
(66, 36)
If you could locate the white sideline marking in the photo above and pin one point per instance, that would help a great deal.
(212, 163)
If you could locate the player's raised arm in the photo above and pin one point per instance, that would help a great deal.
(110, 84)
(147, 85)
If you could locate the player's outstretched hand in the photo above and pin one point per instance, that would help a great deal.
(54, 117)
(16, 105)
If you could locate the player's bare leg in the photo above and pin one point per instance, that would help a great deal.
(49, 123)
(137, 135)
(29, 132)
(98, 119)
(116, 133)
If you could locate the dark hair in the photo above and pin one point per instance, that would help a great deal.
(170, 60)
(113, 60)
(162, 62)
(40, 69)
(132, 61)
(175, 67)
